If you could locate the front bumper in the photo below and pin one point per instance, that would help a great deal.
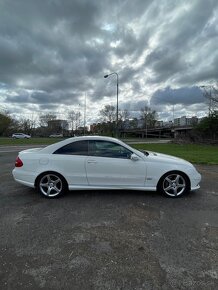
(195, 181)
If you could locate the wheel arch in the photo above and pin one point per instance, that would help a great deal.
(50, 172)
(173, 172)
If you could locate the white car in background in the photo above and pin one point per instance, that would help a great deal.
(21, 136)
(56, 136)
(95, 162)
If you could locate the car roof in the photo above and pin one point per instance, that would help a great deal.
(55, 146)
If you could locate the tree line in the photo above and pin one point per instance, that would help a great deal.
(107, 125)
(39, 126)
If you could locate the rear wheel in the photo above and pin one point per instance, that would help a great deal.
(174, 184)
(51, 185)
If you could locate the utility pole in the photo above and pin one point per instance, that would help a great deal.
(84, 123)
(117, 117)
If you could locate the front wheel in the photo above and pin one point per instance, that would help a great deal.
(174, 184)
(51, 185)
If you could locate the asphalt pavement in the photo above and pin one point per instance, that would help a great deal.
(108, 239)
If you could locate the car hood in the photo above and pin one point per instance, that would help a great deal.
(160, 157)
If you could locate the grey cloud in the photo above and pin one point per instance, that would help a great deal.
(185, 96)
(206, 72)
(127, 74)
(136, 86)
(181, 41)
(189, 22)
(52, 52)
(42, 98)
(130, 44)
(165, 63)
(134, 106)
(82, 15)
(44, 37)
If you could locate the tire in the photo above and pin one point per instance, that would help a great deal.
(51, 185)
(174, 184)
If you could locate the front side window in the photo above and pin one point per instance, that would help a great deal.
(108, 149)
(74, 148)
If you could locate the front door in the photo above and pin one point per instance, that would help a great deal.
(109, 164)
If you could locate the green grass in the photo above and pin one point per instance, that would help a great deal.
(198, 154)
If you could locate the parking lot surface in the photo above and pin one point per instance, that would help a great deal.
(107, 239)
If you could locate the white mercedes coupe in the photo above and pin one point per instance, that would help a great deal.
(95, 162)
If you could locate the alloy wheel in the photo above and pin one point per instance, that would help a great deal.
(51, 185)
(174, 185)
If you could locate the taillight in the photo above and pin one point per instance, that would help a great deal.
(18, 162)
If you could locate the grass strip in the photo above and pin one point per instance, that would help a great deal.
(198, 154)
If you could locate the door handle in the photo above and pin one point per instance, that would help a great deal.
(92, 161)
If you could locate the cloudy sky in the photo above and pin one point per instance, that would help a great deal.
(54, 52)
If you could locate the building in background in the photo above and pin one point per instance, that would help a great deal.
(184, 121)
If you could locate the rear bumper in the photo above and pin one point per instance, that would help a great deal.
(25, 182)
(23, 177)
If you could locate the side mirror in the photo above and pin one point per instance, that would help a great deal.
(134, 157)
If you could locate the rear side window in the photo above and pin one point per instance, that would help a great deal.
(74, 148)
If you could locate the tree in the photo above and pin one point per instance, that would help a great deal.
(108, 113)
(134, 123)
(44, 119)
(27, 125)
(5, 123)
(124, 115)
(208, 127)
(148, 116)
(211, 93)
(75, 119)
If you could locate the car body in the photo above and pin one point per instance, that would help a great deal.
(94, 162)
(21, 136)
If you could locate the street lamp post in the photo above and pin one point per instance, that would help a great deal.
(114, 73)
